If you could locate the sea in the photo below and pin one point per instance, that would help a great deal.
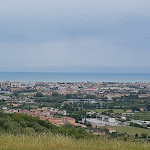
(74, 77)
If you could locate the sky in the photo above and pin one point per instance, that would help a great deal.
(102, 36)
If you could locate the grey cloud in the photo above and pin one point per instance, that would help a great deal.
(80, 52)
(50, 35)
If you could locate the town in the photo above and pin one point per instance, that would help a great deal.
(98, 107)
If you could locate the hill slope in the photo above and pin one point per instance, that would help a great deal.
(51, 142)
(24, 124)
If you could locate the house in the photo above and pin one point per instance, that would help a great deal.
(141, 109)
(129, 110)
(111, 130)
(62, 112)
(55, 121)
(123, 117)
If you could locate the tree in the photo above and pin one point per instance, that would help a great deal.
(136, 135)
(15, 94)
(28, 130)
(68, 96)
(55, 94)
(39, 94)
(144, 135)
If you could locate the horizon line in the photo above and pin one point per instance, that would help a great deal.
(75, 72)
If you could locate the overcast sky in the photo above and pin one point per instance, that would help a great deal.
(75, 35)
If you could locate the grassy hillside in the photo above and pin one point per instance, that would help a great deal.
(22, 132)
(51, 142)
(24, 124)
(131, 130)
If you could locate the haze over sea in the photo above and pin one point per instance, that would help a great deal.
(74, 77)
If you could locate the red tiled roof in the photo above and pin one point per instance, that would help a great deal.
(92, 88)
(67, 118)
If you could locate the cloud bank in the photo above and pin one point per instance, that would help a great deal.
(75, 36)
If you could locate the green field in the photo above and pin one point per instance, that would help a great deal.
(102, 110)
(51, 142)
(131, 130)
(142, 116)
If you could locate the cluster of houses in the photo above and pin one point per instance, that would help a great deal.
(47, 113)
(101, 89)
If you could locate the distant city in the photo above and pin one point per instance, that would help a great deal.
(84, 104)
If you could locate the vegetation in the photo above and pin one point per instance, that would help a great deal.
(141, 116)
(131, 130)
(104, 110)
(74, 111)
(57, 142)
(23, 132)
(138, 125)
(80, 96)
(24, 124)
(54, 99)
(128, 103)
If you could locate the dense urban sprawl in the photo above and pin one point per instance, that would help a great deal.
(100, 108)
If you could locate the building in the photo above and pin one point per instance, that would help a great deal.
(68, 120)
(55, 121)
(128, 114)
(106, 118)
(129, 110)
(111, 130)
(102, 120)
